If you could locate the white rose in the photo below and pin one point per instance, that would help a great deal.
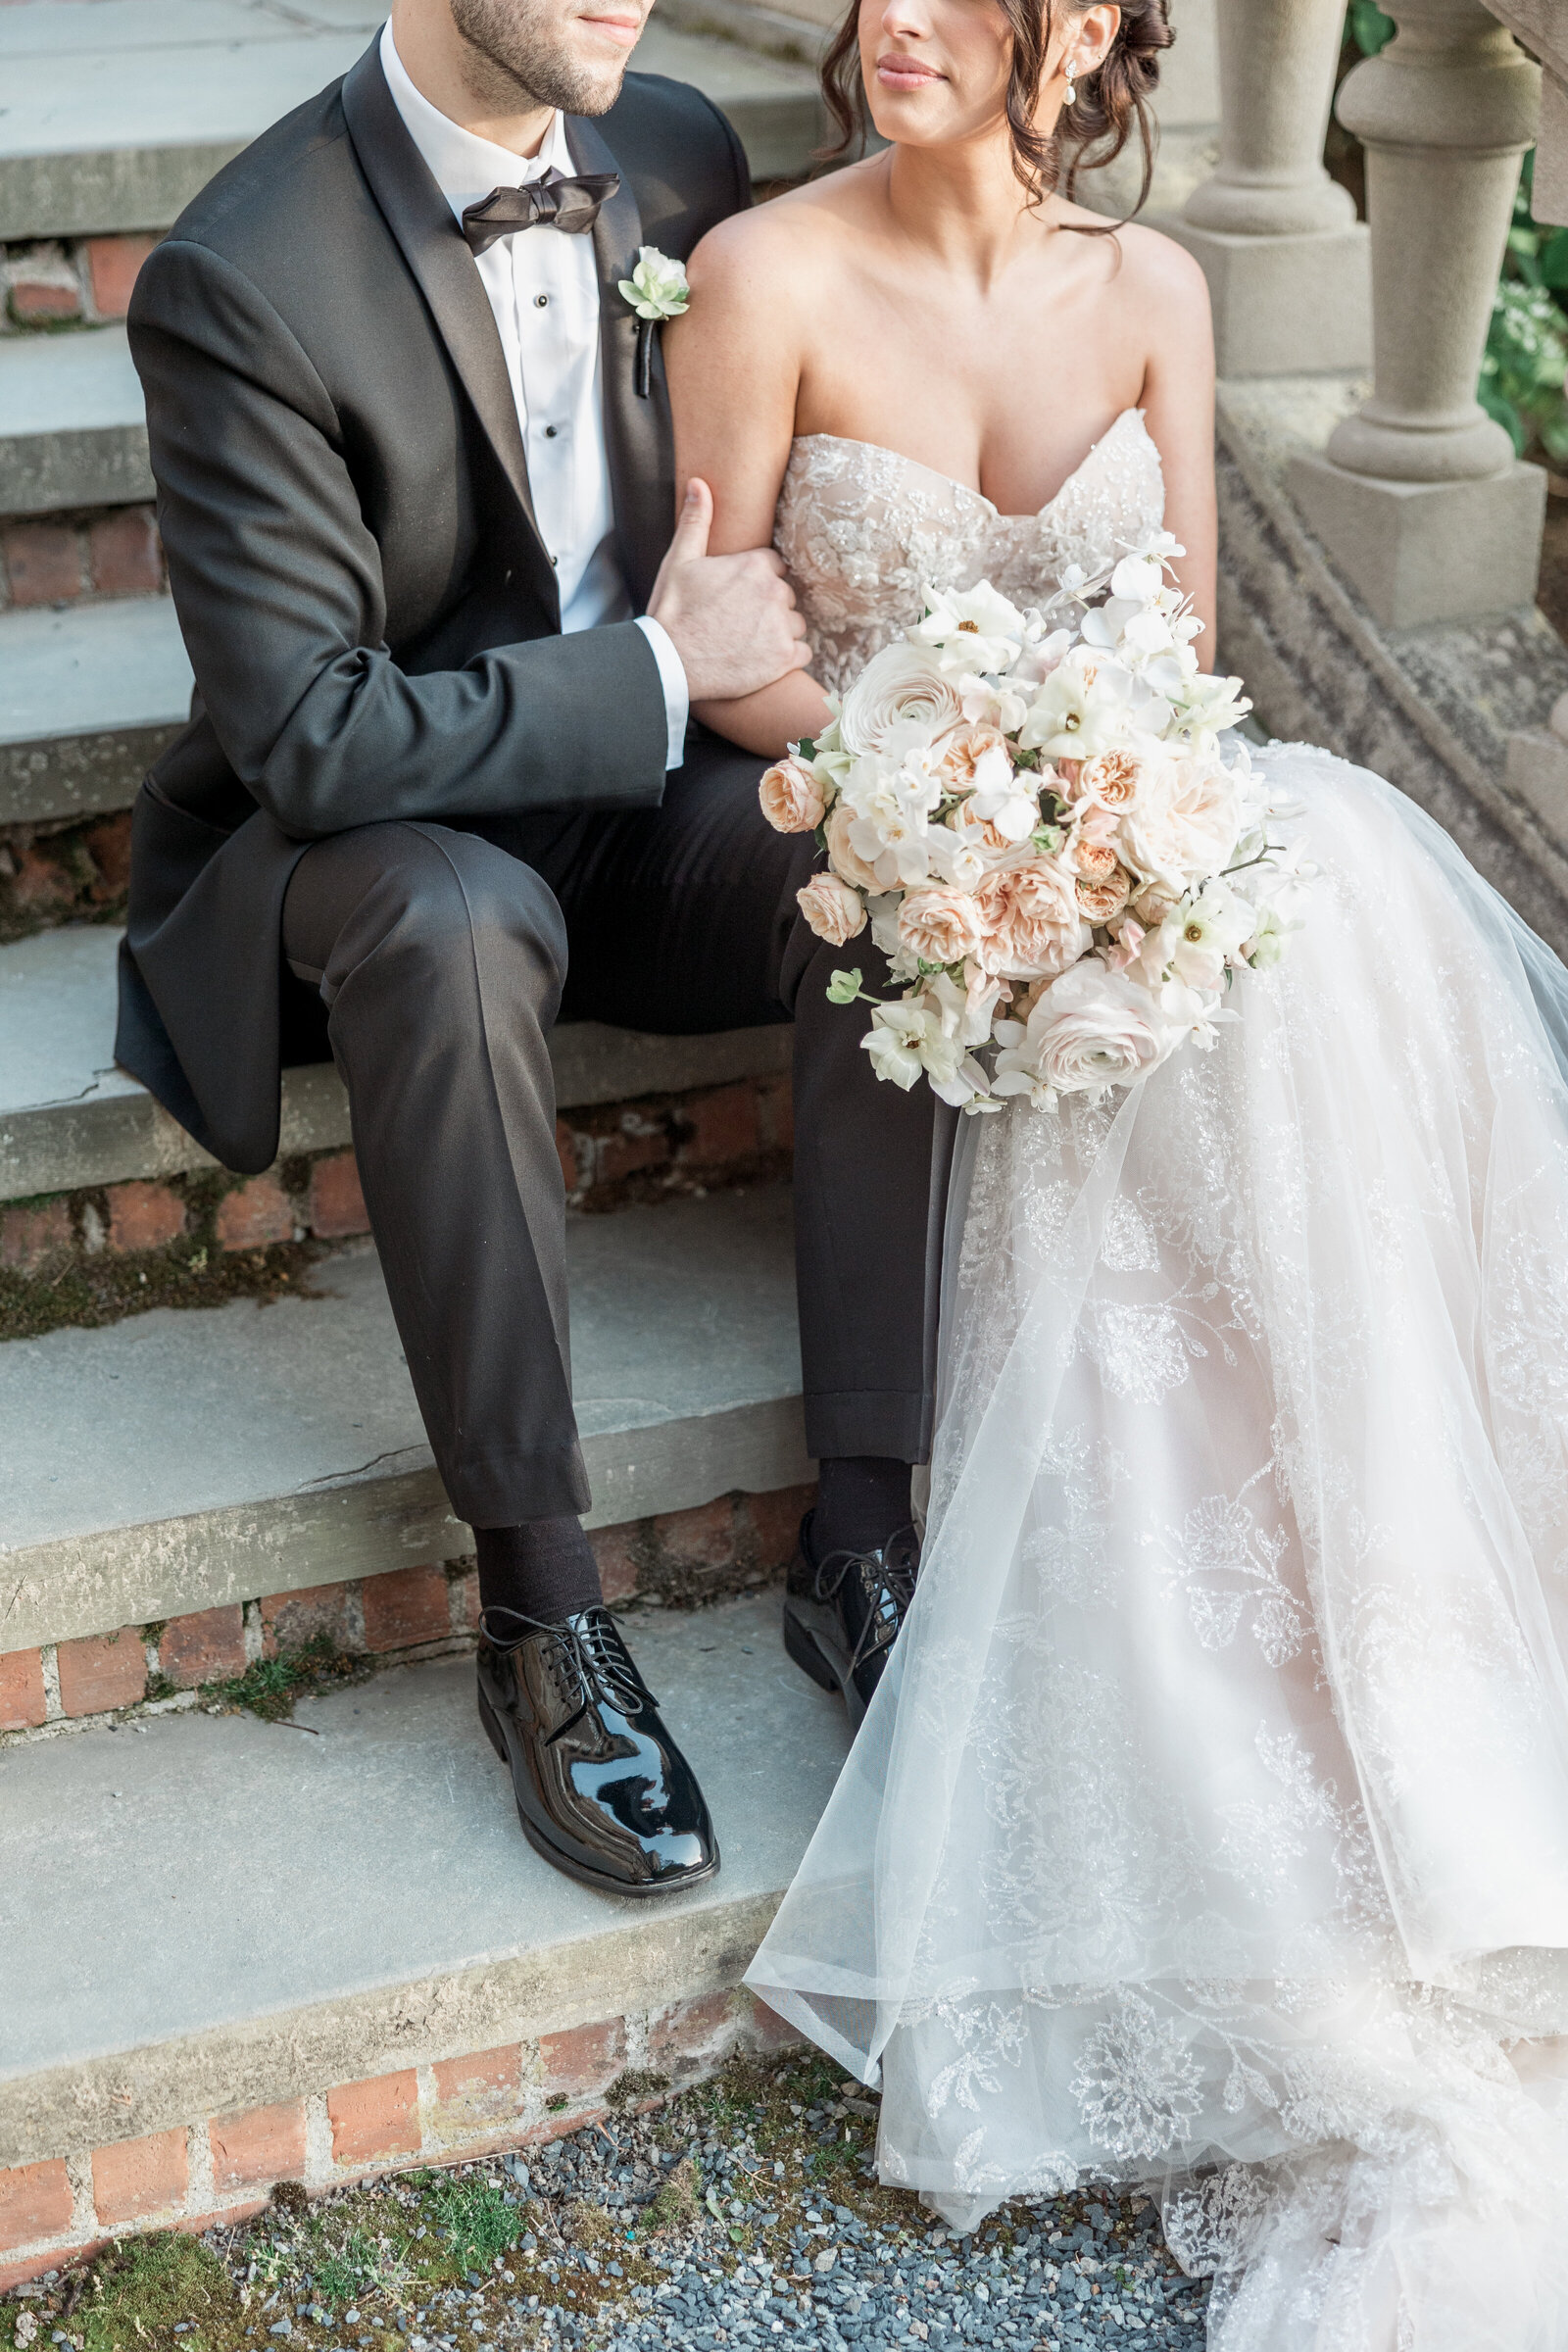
(1094, 1028)
(901, 686)
(1183, 826)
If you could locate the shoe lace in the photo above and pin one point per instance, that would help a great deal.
(584, 1657)
(888, 1578)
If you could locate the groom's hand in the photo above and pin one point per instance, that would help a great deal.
(731, 618)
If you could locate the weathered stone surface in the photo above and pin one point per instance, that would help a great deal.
(180, 1462)
(1432, 710)
(417, 1925)
(89, 697)
(71, 427)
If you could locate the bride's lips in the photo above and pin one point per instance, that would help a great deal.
(621, 28)
(905, 74)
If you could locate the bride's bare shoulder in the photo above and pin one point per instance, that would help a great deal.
(778, 250)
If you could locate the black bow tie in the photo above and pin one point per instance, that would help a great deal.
(570, 205)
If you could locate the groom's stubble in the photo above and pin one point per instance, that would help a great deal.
(517, 49)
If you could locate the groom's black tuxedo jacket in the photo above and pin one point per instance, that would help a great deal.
(370, 612)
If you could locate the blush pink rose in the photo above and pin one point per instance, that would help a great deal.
(939, 924)
(791, 795)
(832, 908)
(1033, 926)
(846, 860)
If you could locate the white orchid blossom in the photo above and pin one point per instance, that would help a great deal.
(971, 629)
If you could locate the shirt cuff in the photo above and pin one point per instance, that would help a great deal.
(672, 678)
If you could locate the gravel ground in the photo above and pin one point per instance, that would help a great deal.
(741, 2212)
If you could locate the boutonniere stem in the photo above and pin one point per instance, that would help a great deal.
(656, 290)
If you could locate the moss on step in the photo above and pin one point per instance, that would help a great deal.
(89, 1291)
(269, 1686)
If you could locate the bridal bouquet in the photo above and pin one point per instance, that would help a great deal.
(1031, 812)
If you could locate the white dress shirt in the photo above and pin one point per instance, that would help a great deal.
(544, 290)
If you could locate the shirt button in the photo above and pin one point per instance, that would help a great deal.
(554, 561)
(549, 433)
(541, 302)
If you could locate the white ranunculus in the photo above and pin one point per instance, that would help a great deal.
(1185, 823)
(972, 628)
(1093, 1029)
(1080, 709)
(901, 687)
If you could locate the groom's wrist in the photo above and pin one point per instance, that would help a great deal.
(672, 678)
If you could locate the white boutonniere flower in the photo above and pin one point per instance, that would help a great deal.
(657, 288)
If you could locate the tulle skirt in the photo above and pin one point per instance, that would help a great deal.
(1209, 1829)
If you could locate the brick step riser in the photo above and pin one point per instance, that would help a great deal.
(219, 2170)
(735, 1543)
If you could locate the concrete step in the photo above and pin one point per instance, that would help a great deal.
(116, 112)
(185, 1459)
(290, 1914)
(72, 429)
(90, 695)
(68, 1118)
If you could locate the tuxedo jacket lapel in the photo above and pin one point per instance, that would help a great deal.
(638, 434)
(431, 243)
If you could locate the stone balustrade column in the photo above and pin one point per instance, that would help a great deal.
(1284, 255)
(1418, 497)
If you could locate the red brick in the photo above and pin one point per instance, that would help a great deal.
(144, 1216)
(139, 2176)
(618, 1551)
(700, 1539)
(108, 844)
(43, 563)
(405, 1606)
(291, 1619)
(481, 2093)
(42, 886)
(466, 1582)
(31, 1237)
(260, 2146)
(22, 1701)
(566, 1153)
(338, 1204)
(112, 265)
(775, 1107)
(35, 2201)
(585, 2058)
(722, 1127)
(102, 1671)
(124, 557)
(692, 2028)
(204, 1646)
(770, 2030)
(254, 1214)
(38, 301)
(638, 1144)
(778, 1517)
(377, 2118)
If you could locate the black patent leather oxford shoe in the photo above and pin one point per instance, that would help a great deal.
(842, 1615)
(603, 1791)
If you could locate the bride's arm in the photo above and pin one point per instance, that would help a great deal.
(734, 363)
(1178, 403)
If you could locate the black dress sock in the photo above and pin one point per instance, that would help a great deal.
(544, 1568)
(862, 1499)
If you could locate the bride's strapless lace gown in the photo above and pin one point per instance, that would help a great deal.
(1210, 1826)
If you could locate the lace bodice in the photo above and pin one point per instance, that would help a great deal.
(861, 530)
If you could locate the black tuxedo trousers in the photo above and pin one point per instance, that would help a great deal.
(444, 956)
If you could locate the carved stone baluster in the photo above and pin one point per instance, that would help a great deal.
(1279, 242)
(1418, 497)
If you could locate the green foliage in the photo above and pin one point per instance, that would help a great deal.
(1368, 27)
(146, 2285)
(271, 1686)
(476, 2220)
(348, 2271)
(1526, 344)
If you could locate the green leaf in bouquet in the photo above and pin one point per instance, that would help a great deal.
(807, 746)
(1047, 839)
(844, 987)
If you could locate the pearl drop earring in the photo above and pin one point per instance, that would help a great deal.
(1072, 86)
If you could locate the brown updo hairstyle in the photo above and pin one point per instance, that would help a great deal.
(1112, 106)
